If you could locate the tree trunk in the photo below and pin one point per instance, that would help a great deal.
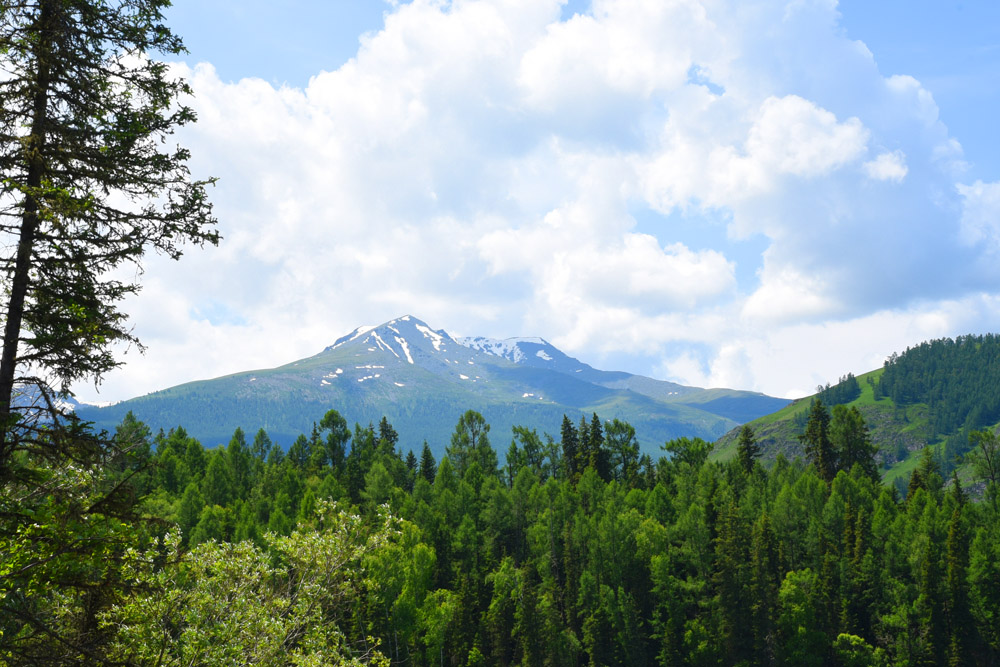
(21, 280)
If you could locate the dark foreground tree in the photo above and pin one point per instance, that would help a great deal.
(88, 182)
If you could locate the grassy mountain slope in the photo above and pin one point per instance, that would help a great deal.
(930, 395)
(422, 380)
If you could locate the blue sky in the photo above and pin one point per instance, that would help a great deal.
(758, 194)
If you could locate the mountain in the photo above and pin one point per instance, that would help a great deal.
(422, 380)
(930, 395)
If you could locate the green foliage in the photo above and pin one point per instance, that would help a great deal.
(89, 184)
(470, 444)
(747, 449)
(692, 563)
(985, 460)
(816, 439)
(851, 441)
(237, 604)
(846, 390)
(64, 526)
(966, 393)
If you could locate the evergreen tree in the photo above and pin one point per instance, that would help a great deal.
(261, 445)
(624, 449)
(985, 459)
(959, 619)
(600, 456)
(88, 186)
(428, 466)
(570, 448)
(337, 437)
(238, 460)
(190, 509)
(765, 574)
(387, 437)
(747, 449)
(925, 476)
(732, 579)
(470, 444)
(816, 439)
(217, 487)
(850, 439)
(411, 469)
(585, 457)
(300, 452)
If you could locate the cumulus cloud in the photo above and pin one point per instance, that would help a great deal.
(889, 166)
(481, 164)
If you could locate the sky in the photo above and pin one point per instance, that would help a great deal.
(756, 194)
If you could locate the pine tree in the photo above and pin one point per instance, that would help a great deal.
(428, 466)
(765, 574)
(261, 445)
(731, 580)
(88, 184)
(87, 188)
(850, 438)
(959, 618)
(600, 456)
(570, 447)
(411, 470)
(337, 437)
(387, 437)
(471, 443)
(816, 438)
(747, 449)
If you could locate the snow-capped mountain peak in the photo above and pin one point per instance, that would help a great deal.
(399, 337)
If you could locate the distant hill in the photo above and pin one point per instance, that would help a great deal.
(929, 395)
(423, 379)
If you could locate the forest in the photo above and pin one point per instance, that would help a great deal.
(142, 548)
(575, 551)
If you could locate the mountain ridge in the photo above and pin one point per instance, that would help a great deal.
(422, 379)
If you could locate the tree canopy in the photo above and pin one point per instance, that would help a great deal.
(89, 181)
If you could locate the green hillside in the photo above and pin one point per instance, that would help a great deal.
(932, 395)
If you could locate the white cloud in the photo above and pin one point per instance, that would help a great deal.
(794, 136)
(787, 295)
(981, 214)
(495, 171)
(889, 166)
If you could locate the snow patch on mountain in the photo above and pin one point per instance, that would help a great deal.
(354, 335)
(507, 348)
(383, 345)
(435, 338)
(406, 348)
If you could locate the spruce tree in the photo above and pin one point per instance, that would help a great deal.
(747, 449)
(89, 184)
(850, 438)
(570, 447)
(428, 466)
(819, 449)
(600, 456)
(958, 616)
